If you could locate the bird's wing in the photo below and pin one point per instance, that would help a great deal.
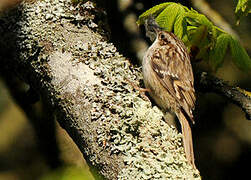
(175, 74)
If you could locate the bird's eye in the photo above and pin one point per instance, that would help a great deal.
(162, 36)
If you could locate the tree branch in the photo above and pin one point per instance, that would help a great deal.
(238, 96)
(61, 51)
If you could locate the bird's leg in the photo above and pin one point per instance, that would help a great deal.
(142, 91)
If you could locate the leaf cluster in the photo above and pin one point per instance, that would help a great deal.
(198, 32)
(242, 9)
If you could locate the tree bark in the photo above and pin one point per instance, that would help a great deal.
(62, 52)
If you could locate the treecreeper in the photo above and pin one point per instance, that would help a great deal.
(168, 76)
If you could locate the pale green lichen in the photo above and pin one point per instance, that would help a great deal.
(150, 148)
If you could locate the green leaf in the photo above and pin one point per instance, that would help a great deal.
(197, 35)
(167, 17)
(180, 26)
(153, 11)
(240, 56)
(197, 19)
(242, 9)
(217, 54)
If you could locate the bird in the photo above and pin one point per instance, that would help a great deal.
(168, 76)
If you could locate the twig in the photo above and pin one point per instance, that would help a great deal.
(238, 96)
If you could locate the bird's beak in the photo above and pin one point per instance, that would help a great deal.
(152, 28)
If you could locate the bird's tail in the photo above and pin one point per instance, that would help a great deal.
(187, 137)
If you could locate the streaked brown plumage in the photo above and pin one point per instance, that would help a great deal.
(168, 74)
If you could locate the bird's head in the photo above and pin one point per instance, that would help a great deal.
(154, 31)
